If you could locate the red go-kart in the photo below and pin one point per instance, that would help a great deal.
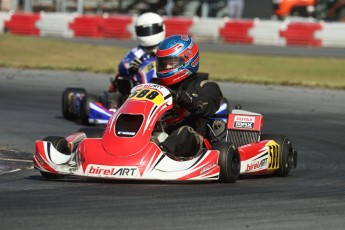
(127, 148)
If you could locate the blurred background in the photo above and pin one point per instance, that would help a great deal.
(309, 23)
(318, 9)
(202, 8)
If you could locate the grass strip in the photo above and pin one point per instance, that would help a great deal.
(42, 53)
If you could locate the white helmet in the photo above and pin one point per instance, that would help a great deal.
(150, 29)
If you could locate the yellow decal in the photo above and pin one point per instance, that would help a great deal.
(273, 155)
(147, 94)
(149, 67)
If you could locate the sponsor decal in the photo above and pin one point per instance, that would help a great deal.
(244, 125)
(73, 169)
(154, 86)
(148, 68)
(257, 165)
(273, 155)
(245, 119)
(112, 171)
(125, 133)
(207, 167)
(126, 172)
(149, 85)
(245, 122)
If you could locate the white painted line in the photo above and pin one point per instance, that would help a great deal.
(17, 160)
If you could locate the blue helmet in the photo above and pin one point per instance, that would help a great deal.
(177, 59)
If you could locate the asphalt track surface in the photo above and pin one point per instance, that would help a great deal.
(311, 197)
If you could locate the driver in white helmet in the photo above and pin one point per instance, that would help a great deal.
(150, 32)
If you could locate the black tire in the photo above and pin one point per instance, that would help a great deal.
(67, 106)
(61, 145)
(86, 108)
(92, 132)
(285, 152)
(229, 161)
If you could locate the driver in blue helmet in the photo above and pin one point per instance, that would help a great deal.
(177, 65)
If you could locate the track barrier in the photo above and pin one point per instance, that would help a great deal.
(257, 32)
(237, 31)
(178, 25)
(301, 34)
(23, 23)
(117, 27)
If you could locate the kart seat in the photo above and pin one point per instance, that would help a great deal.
(203, 75)
(124, 85)
(216, 130)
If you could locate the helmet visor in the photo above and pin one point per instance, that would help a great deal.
(168, 63)
(153, 29)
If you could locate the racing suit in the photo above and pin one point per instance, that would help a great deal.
(203, 100)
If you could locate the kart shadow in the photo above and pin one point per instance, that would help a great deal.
(76, 179)
(254, 177)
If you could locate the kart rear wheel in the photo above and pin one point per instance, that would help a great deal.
(86, 108)
(61, 145)
(286, 153)
(92, 132)
(67, 106)
(229, 161)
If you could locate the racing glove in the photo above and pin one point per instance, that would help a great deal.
(184, 99)
(134, 66)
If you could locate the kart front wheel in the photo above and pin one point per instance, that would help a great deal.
(86, 108)
(229, 161)
(61, 145)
